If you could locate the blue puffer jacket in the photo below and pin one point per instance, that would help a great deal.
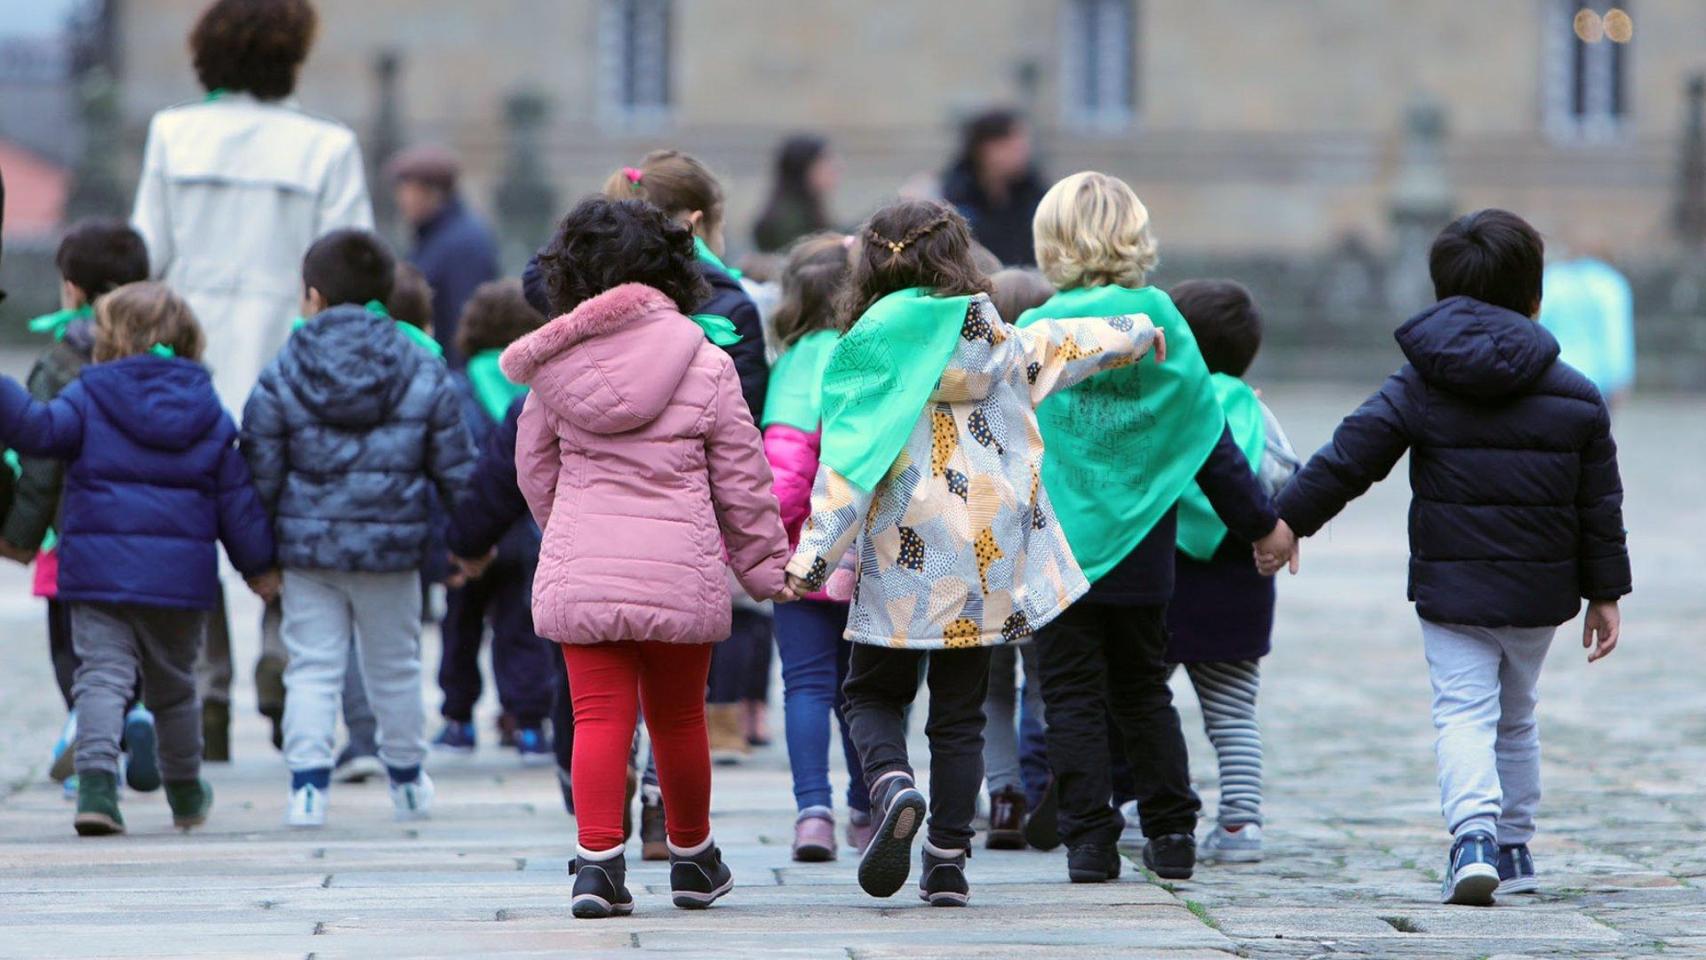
(493, 508)
(348, 433)
(1517, 508)
(154, 482)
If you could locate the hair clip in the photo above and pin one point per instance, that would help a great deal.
(848, 241)
(634, 175)
(162, 350)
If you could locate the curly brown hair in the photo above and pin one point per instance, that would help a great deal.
(496, 316)
(911, 243)
(253, 46)
(604, 243)
(812, 277)
(137, 317)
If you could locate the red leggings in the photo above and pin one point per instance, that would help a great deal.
(609, 683)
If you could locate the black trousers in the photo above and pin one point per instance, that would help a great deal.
(740, 665)
(881, 684)
(523, 664)
(1098, 659)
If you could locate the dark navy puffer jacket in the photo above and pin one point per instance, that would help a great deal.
(1517, 507)
(493, 508)
(154, 482)
(349, 433)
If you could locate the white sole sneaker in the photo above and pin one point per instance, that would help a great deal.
(1472, 885)
(307, 809)
(1528, 884)
(413, 801)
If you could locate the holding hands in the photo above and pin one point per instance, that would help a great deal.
(266, 585)
(1278, 549)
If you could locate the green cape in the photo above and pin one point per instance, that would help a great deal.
(1121, 447)
(719, 329)
(881, 375)
(1200, 529)
(795, 396)
(491, 388)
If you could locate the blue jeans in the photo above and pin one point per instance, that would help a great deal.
(814, 667)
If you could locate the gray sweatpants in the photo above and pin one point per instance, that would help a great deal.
(1484, 681)
(324, 612)
(118, 644)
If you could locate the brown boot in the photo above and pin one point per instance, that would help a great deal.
(654, 837)
(724, 723)
(1006, 820)
(216, 732)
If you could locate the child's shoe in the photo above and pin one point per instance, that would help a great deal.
(215, 732)
(727, 733)
(814, 836)
(190, 801)
(1236, 844)
(142, 763)
(1472, 870)
(1092, 862)
(535, 750)
(1171, 856)
(860, 829)
(412, 798)
(456, 737)
(887, 861)
(356, 767)
(307, 807)
(1006, 820)
(601, 885)
(944, 881)
(1516, 870)
(65, 751)
(1042, 827)
(654, 838)
(68, 789)
(97, 805)
(699, 878)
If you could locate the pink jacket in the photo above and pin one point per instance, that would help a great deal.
(640, 462)
(793, 454)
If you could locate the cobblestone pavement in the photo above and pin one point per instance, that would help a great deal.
(1354, 837)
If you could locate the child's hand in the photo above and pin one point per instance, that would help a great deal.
(798, 587)
(267, 585)
(1278, 549)
(471, 568)
(1604, 621)
(15, 553)
(787, 595)
(1160, 347)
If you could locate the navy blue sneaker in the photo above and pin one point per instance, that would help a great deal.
(1516, 870)
(1472, 871)
(456, 737)
(142, 764)
(535, 750)
(888, 860)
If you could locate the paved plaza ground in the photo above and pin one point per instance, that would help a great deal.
(1355, 842)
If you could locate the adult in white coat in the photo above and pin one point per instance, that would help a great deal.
(234, 189)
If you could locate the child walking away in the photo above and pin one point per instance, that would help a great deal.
(523, 664)
(1122, 449)
(349, 432)
(809, 633)
(641, 464)
(930, 459)
(1221, 620)
(96, 256)
(153, 483)
(1516, 516)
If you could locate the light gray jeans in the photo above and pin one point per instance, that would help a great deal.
(324, 612)
(118, 643)
(1484, 681)
(1001, 714)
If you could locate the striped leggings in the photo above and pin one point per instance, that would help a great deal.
(1227, 691)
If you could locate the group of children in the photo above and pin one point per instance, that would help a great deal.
(921, 483)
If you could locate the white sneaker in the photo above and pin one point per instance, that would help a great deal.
(413, 800)
(1243, 845)
(307, 807)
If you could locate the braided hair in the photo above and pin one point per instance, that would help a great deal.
(911, 243)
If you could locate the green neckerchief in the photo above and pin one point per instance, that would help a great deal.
(1200, 529)
(57, 322)
(879, 379)
(720, 330)
(795, 396)
(410, 332)
(215, 94)
(703, 251)
(1121, 447)
(492, 389)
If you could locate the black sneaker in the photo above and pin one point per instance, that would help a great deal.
(944, 881)
(1042, 827)
(1092, 863)
(1516, 870)
(601, 888)
(888, 860)
(1171, 856)
(697, 881)
(1471, 871)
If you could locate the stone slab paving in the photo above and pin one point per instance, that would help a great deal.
(1355, 844)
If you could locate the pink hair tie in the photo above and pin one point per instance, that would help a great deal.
(634, 175)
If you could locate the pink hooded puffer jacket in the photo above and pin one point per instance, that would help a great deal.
(640, 462)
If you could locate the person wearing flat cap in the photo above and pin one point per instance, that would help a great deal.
(453, 248)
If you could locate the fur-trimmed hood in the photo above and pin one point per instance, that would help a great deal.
(613, 363)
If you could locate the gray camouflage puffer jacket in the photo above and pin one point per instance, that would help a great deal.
(348, 433)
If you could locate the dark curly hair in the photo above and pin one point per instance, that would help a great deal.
(496, 316)
(911, 243)
(605, 243)
(253, 46)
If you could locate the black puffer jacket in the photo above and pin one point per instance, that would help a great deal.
(1517, 509)
(349, 433)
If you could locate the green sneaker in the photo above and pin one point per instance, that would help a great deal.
(190, 800)
(97, 805)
